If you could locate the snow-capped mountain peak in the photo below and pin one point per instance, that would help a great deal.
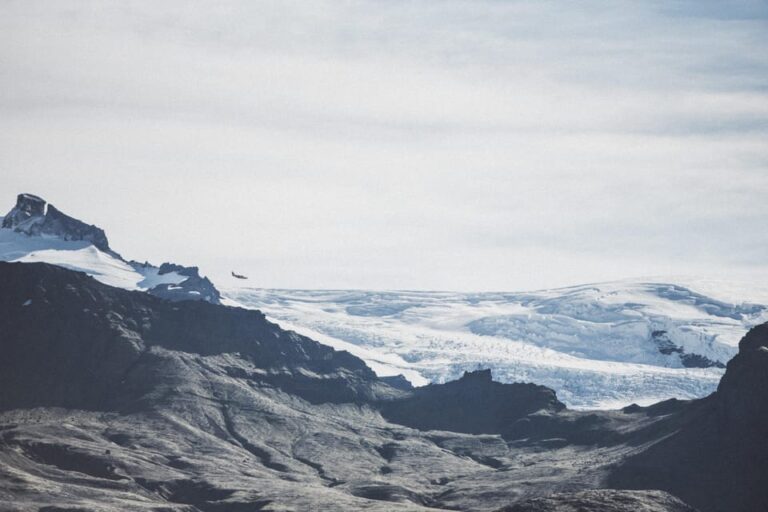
(36, 231)
(34, 217)
(28, 209)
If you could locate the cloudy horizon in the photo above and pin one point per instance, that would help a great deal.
(454, 145)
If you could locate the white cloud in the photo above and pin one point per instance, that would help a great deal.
(432, 144)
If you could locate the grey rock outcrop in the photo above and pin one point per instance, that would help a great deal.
(474, 404)
(195, 286)
(398, 382)
(28, 207)
(30, 216)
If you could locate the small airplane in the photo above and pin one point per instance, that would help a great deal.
(239, 276)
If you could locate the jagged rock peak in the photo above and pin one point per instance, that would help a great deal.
(28, 206)
(195, 287)
(755, 339)
(31, 216)
(167, 267)
(34, 217)
(743, 390)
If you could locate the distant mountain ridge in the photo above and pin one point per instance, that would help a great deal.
(34, 230)
(600, 345)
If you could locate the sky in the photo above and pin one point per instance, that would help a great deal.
(436, 144)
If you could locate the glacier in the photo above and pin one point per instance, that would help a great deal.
(601, 346)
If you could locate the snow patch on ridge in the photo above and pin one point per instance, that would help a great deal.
(81, 256)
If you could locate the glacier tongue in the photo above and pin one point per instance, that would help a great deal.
(600, 346)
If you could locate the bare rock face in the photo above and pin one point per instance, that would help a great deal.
(717, 459)
(30, 216)
(743, 390)
(398, 382)
(27, 207)
(68, 228)
(602, 500)
(195, 287)
(474, 404)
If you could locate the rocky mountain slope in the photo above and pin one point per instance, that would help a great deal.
(118, 400)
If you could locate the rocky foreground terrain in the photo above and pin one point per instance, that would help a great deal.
(120, 400)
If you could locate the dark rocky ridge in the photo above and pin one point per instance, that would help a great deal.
(27, 207)
(117, 400)
(30, 216)
(70, 341)
(717, 459)
(474, 404)
(398, 382)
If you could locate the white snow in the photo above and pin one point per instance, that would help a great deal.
(151, 278)
(83, 257)
(591, 343)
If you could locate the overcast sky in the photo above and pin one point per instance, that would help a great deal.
(437, 144)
